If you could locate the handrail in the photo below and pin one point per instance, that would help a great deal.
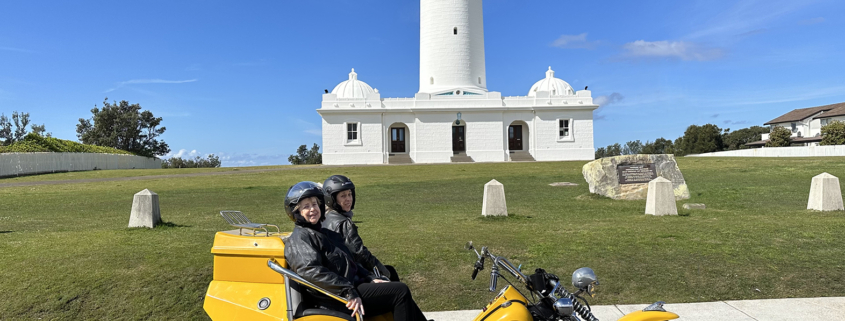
(298, 279)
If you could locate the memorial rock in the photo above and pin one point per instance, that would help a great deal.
(494, 199)
(626, 177)
(145, 210)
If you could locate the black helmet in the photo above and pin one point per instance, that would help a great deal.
(336, 184)
(301, 191)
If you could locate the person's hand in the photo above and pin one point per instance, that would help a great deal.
(379, 281)
(356, 306)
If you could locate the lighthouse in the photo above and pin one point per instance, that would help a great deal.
(452, 46)
(455, 116)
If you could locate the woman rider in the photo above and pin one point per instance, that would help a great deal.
(339, 193)
(327, 263)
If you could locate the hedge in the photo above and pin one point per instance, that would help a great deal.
(34, 143)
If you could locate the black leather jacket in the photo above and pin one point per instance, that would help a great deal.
(341, 223)
(324, 261)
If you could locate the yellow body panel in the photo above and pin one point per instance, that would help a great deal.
(517, 310)
(242, 278)
(241, 258)
(649, 316)
(239, 301)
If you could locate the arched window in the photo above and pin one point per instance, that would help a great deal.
(431, 80)
(455, 30)
(479, 80)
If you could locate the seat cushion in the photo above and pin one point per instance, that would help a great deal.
(333, 313)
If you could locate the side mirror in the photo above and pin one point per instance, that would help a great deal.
(585, 280)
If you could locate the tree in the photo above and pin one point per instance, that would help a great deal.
(632, 147)
(738, 139)
(701, 139)
(306, 156)
(659, 146)
(123, 126)
(678, 146)
(613, 150)
(833, 133)
(779, 137)
(20, 121)
(198, 162)
(600, 152)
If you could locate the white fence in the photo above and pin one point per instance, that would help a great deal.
(16, 164)
(796, 151)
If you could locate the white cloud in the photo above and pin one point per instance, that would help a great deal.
(149, 81)
(609, 99)
(316, 132)
(604, 101)
(243, 160)
(574, 41)
(183, 153)
(812, 21)
(743, 16)
(673, 50)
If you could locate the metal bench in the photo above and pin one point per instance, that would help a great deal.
(239, 220)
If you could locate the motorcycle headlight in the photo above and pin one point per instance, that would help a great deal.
(564, 307)
(584, 277)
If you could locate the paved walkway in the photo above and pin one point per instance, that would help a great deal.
(803, 309)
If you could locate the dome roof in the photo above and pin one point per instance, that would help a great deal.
(353, 88)
(555, 86)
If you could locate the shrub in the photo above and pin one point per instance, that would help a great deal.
(33, 143)
(779, 137)
(198, 162)
(833, 133)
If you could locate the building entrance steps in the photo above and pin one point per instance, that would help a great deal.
(521, 157)
(399, 159)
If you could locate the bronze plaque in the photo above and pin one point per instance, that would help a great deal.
(636, 173)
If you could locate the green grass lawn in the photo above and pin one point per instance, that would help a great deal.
(65, 251)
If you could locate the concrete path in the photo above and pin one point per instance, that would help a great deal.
(803, 309)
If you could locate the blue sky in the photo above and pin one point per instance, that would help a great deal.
(243, 79)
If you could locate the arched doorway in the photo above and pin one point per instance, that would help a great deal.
(398, 138)
(517, 134)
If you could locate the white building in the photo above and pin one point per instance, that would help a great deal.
(805, 123)
(454, 117)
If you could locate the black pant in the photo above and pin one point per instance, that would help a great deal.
(380, 298)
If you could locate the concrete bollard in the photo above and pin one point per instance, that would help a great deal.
(494, 199)
(825, 194)
(145, 210)
(660, 199)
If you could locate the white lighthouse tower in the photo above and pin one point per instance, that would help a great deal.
(451, 46)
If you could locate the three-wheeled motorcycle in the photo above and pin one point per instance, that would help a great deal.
(251, 282)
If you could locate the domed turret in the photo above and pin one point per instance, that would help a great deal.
(353, 88)
(555, 86)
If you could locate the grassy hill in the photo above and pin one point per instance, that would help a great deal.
(66, 253)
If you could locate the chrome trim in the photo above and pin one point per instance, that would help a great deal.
(290, 275)
(564, 307)
(656, 306)
(288, 299)
(264, 306)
